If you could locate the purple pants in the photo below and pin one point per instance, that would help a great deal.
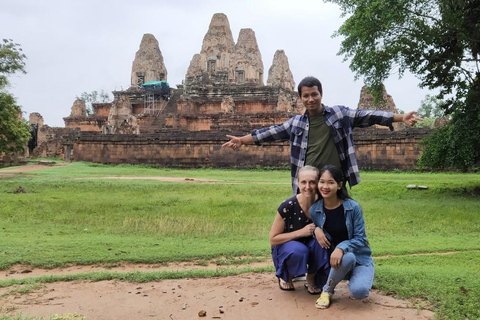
(293, 258)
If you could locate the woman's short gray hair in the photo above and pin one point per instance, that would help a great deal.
(309, 168)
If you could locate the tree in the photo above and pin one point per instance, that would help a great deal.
(456, 145)
(436, 40)
(14, 132)
(11, 60)
(93, 97)
(431, 109)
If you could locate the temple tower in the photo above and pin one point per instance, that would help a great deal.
(221, 61)
(148, 64)
(247, 65)
(279, 74)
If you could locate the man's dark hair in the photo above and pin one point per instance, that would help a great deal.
(310, 82)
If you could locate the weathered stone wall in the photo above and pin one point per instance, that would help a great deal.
(13, 159)
(101, 109)
(121, 119)
(79, 119)
(79, 108)
(55, 142)
(94, 124)
(384, 150)
(376, 150)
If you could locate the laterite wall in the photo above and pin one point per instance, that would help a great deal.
(377, 149)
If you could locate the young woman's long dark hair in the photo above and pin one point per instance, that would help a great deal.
(337, 175)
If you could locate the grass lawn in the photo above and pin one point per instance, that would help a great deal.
(425, 242)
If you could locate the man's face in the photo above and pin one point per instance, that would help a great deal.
(312, 100)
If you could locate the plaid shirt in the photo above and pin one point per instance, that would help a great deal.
(341, 121)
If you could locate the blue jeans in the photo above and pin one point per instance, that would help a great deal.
(360, 277)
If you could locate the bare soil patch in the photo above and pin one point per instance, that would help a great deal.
(32, 167)
(246, 296)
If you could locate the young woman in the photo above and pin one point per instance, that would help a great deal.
(340, 227)
(294, 251)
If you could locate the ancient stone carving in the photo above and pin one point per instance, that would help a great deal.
(279, 74)
(79, 109)
(148, 64)
(121, 120)
(228, 105)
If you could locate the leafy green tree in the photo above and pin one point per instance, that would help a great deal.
(11, 60)
(14, 132)
(439, 42)
(431, 109)
(93, 97)
(456, 145)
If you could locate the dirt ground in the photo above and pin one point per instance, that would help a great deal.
(246, 296)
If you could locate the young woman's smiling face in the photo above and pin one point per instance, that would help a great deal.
(327, 186)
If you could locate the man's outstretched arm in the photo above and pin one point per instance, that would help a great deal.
(237, 142)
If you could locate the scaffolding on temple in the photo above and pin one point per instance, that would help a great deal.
(157, 94)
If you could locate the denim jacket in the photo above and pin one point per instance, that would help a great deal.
(357, 239)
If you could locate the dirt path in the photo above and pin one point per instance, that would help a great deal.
(9, 172)
(246, 296)
(242, 297)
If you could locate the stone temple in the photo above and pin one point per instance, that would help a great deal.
(223, 89)
(223, 92)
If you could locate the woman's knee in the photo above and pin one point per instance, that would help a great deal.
(349, 259)
(359, 293)
(294, 249)
(300, 251)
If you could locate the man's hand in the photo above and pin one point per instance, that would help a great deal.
(234, 143)
(410, 119)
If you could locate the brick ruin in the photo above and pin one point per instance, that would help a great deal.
(223, 93)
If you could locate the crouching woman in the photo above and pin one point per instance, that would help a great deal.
(294, 251)
(340, 227)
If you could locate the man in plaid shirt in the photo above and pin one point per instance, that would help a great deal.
(322, 135)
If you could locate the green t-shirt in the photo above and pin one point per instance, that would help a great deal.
(321, 149)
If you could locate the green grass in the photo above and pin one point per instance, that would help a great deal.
(92, 170)
(74, 215)
(450, 282)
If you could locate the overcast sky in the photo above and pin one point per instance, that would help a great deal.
(82, 46)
